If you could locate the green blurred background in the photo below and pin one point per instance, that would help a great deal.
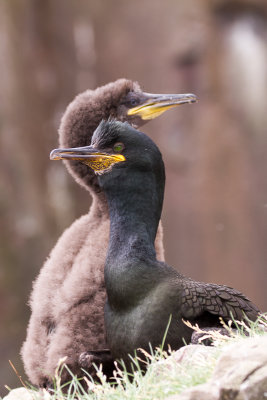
(215, 210)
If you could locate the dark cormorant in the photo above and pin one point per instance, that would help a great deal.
(69, 294)
(143, 292)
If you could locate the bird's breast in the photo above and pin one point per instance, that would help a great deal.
(144, 323)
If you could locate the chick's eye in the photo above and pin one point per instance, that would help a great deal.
(118, 147)
(134, 102)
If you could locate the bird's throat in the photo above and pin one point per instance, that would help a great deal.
(132, 230)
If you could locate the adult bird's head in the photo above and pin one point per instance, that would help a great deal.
(119, 156)
(122, 100)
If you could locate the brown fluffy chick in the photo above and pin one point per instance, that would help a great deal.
(67, 301)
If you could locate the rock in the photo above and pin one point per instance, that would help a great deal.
(20, 394)
(240, 370)
(191, 355)
(200, 392)
(192, 351)
(255, 386)
(27, 394)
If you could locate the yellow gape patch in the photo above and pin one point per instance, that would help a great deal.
(103, 163)
(149, 112)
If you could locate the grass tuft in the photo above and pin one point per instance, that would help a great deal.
(165, 376)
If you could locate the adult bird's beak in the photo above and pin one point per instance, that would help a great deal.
(98, 161)
(156, 104)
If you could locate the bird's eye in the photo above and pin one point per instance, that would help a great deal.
(118, 147)
(134, 102)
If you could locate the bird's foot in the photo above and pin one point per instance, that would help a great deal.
(87, 358)
(206, 335)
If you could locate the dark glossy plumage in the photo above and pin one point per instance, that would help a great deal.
(215, 299)
(142, 291)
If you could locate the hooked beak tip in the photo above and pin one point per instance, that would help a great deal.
(54, 155)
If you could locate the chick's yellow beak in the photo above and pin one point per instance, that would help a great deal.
(156, 104)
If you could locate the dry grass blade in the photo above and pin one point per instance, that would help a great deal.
(18, 375)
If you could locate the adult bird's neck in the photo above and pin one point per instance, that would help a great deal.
(134, 216)
(134, 211)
